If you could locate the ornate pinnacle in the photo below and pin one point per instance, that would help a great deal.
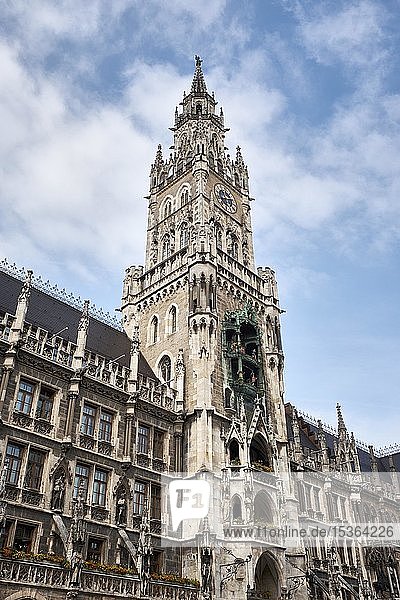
(159, 161)
(198, 83)
(239, 162)
(84, 320)
(26, 288)
(340, 420)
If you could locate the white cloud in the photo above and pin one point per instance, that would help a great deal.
(351, 35)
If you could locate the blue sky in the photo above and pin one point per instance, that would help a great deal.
(310, 91)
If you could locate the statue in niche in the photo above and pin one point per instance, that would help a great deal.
(121, 512)
(57, 497)
(206, 572)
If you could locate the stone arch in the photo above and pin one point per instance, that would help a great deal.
(234, 451)
(236, 509)
(171, 319)
(263, 508)
(153, 329)
(260, 454)
(165, 368)
(268, 576)
(32, 595)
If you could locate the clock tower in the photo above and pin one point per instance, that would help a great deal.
(207, 320)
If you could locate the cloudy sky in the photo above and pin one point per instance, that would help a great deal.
(310, 91)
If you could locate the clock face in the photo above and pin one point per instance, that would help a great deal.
(225, 198)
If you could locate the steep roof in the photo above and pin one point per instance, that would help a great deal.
(53, 315)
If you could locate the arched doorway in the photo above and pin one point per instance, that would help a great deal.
(266, 577)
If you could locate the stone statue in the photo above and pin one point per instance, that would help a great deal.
(57, 497)
(206, 572)
(121, 515)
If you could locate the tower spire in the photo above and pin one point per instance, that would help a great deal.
(198, 83)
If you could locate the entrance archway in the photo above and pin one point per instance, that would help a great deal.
(266, 577)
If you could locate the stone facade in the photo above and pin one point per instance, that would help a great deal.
(92, 416)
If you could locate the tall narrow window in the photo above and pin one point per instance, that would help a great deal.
(139, 497)
(143, 439)
(172, 319)
(13, 460)
(34, 469)
(24, 536)
(25, 397)
(155, 509)
(88, 419)
(154, 330)
(105, 426)
(95, 550)
(99, 487)
(44, 406)
(184, 197)
(184, 236)
(81, 480)
(167, 209)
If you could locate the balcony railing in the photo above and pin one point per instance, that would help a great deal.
(110, 586)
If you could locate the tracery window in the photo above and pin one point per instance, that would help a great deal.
(172, 319)
(154, 330)
(165, 369)
(184, 197)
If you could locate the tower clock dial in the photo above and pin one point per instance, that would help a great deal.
(225, 198)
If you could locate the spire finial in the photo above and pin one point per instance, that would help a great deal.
(340, 420)
(198, 84)
(159, 157)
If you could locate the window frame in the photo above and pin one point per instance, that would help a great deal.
(139, 497)
(9, 458)
(100, 487)
(78, 478)
(39, 389)
(33, 476)
(140, 437)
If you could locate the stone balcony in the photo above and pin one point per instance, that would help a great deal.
(45, 577)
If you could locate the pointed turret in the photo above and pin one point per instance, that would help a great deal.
(159, 161)
(341, 427)
(198, 83)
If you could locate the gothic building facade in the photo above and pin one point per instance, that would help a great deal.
(96, 417)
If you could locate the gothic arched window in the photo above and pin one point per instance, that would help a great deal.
(166, 247)
(165, 369)
(167, 209)
(153, 330)
(184, 236)
(236, 509)
(172, 319)
(184, 197)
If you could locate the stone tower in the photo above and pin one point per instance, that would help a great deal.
(208, 321)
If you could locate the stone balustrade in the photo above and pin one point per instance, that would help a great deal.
(113, 586)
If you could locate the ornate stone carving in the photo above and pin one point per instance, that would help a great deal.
(22, 420)
(86, 441)
(31, 497)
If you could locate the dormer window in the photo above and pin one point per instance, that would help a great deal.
(199, 109)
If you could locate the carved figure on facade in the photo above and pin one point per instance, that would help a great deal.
(144, 551)
(58, 493)
(121, 507)
(206, 572)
